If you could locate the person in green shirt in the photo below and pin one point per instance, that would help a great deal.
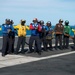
(66, 35)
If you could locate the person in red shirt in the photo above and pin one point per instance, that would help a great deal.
(35, 30)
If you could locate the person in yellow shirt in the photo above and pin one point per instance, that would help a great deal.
(73, 31)
(21, 36)
(0, 29)
(73, 47)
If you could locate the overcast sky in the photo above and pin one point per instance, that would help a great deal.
(47, 10)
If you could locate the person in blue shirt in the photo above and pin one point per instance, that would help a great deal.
(35, 30)
(49, 33)
(12, 37)
(6, 29)
(43, 35)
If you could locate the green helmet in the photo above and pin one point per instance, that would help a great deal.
(66, 22)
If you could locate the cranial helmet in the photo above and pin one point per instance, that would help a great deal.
(23, 20)
(8, 20)
(49, 22)
(35, 19)
(66, 22)
(60, 20)
(42, 22)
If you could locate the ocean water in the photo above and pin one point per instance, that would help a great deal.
(29, 31)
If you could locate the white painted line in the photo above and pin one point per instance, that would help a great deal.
(27, 59)
(57, 55)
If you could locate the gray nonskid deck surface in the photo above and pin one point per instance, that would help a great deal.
(56, 62)
(64, 65)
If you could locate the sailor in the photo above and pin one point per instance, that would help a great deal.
(73, 47)
(49, 35)
(21, 36)
(43, 35)
(58, 34)
(12, 38)
(35, 30)
(67, 30)
(6, 29)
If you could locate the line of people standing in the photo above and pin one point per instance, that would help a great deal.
(40, 34)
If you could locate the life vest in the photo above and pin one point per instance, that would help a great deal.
(59, 28)
(34, 31)
(21, 30)
(66, 29)
(49, 34)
